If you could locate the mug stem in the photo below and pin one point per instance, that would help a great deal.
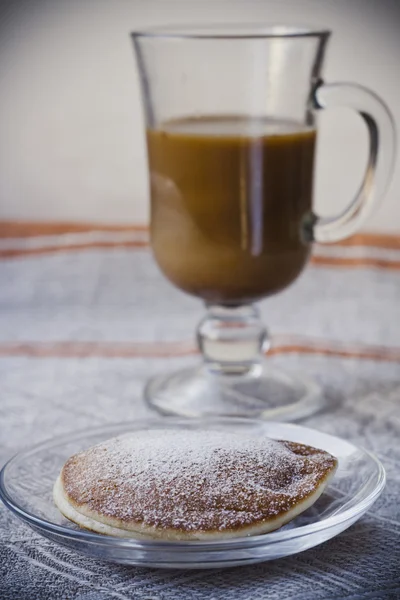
(234, 379)
(232, 340)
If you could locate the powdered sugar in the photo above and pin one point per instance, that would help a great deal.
(194, 480)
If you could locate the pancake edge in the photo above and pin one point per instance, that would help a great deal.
(143, 532)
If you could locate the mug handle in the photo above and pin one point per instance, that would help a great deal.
(382, 150)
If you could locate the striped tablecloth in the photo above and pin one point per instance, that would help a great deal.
(86, 318)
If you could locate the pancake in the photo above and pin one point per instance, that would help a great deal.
(191, 485)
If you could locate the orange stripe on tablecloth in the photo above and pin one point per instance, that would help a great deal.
(22, 252)
(323, 261)
(180, 349)
(20, 229)
(351, 262)
(377, 240)
(368, 353)
(82, 349)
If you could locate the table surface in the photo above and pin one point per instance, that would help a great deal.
(86, 318)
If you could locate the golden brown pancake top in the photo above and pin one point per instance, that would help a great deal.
(194, 480)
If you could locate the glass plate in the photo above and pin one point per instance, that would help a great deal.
(26, 483)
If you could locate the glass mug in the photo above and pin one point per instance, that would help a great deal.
(231, 130)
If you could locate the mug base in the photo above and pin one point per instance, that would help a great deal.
(265, 393)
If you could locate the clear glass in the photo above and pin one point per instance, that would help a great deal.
(231, 131)
(26, 488)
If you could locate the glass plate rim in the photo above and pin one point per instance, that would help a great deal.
(192, 545)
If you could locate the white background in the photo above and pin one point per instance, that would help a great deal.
(72, 144)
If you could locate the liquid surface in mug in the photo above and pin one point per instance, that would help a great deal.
(229, 196)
